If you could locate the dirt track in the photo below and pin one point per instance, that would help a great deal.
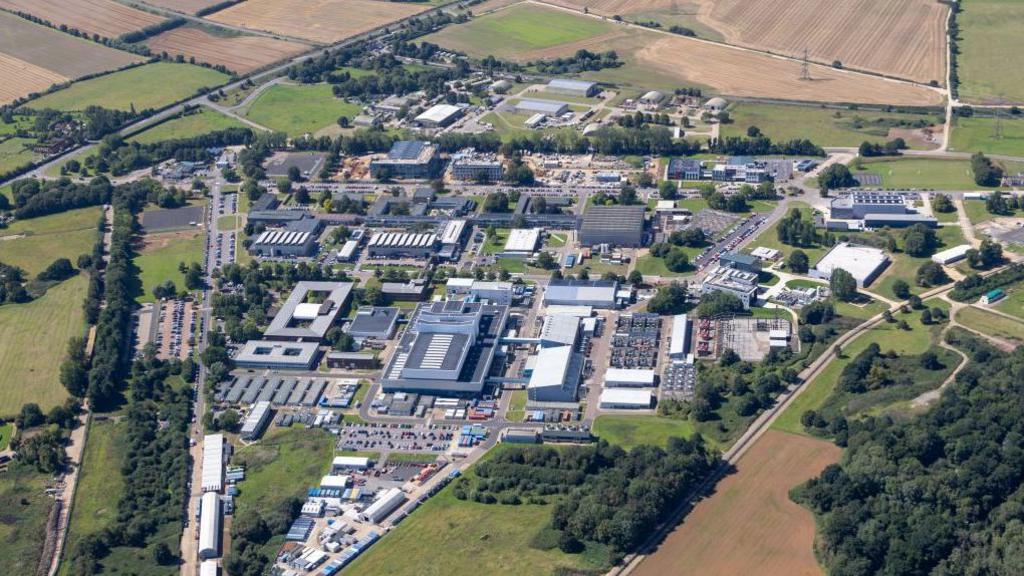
(749, 525)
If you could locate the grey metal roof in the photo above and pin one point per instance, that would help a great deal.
(281, 326)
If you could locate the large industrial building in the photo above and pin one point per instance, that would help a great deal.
(857, 205)
(296, 238)
(580, 88)
(447, 349)
(625, 399)
(494, 292)
(559, 330)
(439, 116)
(679, 344)
(739, 283)
(545, 107)
(629, 378)
(384, 505)
(864, 263)
(408, 159)
(402, 245)
(273, 355)
(596, 293)
(614, 225)
(256, 421)
(309, 312)
(556, 375)
(215, 456)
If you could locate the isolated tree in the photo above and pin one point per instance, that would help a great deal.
(901, 289)
(843, 285)
(798, 262)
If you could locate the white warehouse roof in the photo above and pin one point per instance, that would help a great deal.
(629, 377)
(951, 255)
(522, 240)
(213, 463)
(306, 311)
(625, 398)
(862, 262)
(439, 113)
(551, 368)
(359, 462)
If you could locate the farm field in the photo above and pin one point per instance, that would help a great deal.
(159, 258)
(39, 241)
(202, 122)
(989, 30)
(983, 321)
(13, 153)
(652, 60)
(749, 525)
(977, 135)
(23, 525)
(35, 337)
(184, 6)
(23, 79)
(107, 18)
(144, 87)
(823, 126)
(323, 21)
(240, 54)
(902, 38)
(298, 109)
(99, 483)
(924, 173)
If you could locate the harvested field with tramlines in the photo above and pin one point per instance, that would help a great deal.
(240, 54)
(104, 17)
(184, 6)
(749, 525)
(654, 59)
(902, 38)
(324, 21)
(19, 78)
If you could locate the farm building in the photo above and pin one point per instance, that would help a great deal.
(301, 317)
(384, 505)
(615, 225)
(595, 293)
(862, 262)
(256, 421)
(209, 526)
(954, 254)
(500, 86)
(739, 283)
(628, 378)
(408, 159)
(625, 399)
(556, 375)
(580, 88)
(439, 116)
(547, 107)
(374, 322)
(653, 98)
(278, 355)
(716, 105)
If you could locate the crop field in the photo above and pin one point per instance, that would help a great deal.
(184, 6)
(240, 54)
(158, 260)
(652, 60)
(107, 18)
(151, 86)
(202, 122)
(21, 78)
(978, 135)
(989, 31)
(298, 109)
(749, 525)
(323, 21)
(823, 126)
(34, 243)
(35, 337)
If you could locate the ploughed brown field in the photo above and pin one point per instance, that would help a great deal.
(902, 38)
(749, 525)
(104, 17)
(239, 54)
(323, 21)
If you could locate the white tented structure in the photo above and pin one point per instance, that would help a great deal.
(209, 526)
(213, 463)
(208, 568)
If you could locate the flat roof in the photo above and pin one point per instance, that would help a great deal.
(955, 252)
(629, 375)
(272, 352)
(626, 396)
(522, 240)
(581, 291)
(612, 218)
(439, 113)
(373, 320)
(560, 328)
(542, 106)
(860, 261)
(282, 325)
(551, 368)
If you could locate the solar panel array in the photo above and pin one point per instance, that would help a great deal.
(283, 238)
(436, 351)
(406, 150)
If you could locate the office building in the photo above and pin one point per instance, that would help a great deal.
(275, 355)
(309, 312)
(741, 284)
(857, 205)
(468, 165)
(408, 159)
(256, 421)
(374, 322)
(521, 242)
(351, 360)
(296, 238)
(740, 261)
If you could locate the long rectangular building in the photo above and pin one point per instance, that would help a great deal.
(255, 421)
(209, 526)
(402, 244)
(214, 458)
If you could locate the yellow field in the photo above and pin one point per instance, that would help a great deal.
(240, 54)
(104, 17)
(324, 21)
(19, 78)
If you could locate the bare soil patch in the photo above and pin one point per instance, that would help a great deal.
(324, 21)
(239, 54)
(749, 525)
(104, 17)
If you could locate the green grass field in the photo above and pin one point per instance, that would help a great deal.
(904, 267)
(510, 32)
(34, 243)
(202, 122)
(517, 406)
(823, 126)
(298, 109)
(150, 86)
(6, 431)
(283, 464)
(1012, 304)
(14, 154)
(34, 339)
(629, 431)
(989, 31)
(978, 135)
(497, 243)
(993, 324)
(655, 266)
(229, 222)
(770, 237)
(23, 521)
(99, 483)
(924, 173)
(159, 264)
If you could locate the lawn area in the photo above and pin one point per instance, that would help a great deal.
(555, 239)
(507, 123)
(649, 265)
(196, 124)
(805, 283)
(23, 522)
(975, 134)
(144, 87)
(989, 30)
(299, 109)
(285, 463)
(493, 245)
(861, 310)
(904, 267)
(923, 173)
(34, 339)
(229, 222)
(158, 262)
(992, 324)
(769, 238)
(517, 406)
(629, 431)
(13, 153)
(6, 431)
(99, 483)
(513, 31)
(451, 537)
(823, 126)
(42, 240)
(888, 336)
(1012, 304)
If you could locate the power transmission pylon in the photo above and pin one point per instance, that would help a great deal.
(805, 67)
(997, 130)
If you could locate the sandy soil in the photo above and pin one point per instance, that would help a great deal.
(749, 525)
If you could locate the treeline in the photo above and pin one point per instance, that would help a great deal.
(763, 146)
(217, 7)
(119, 157)
(975, 285)
(152, 30)
(603, 494)
(581, 61)
(33, 198)
(937, 494)
(890, 148)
